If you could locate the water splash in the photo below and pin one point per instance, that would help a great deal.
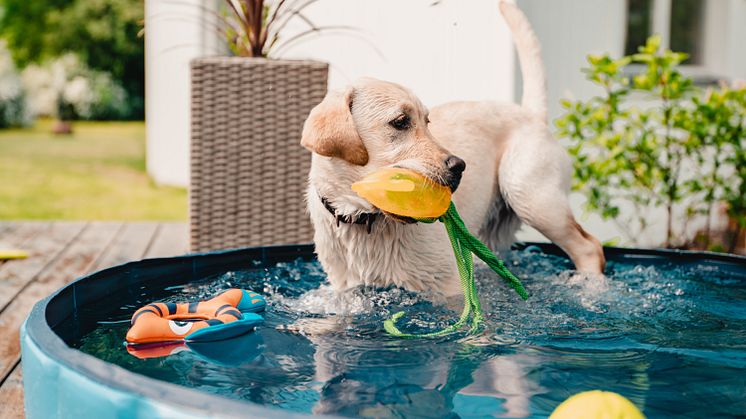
(650, 331)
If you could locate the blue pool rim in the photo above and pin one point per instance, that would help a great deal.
(60, 381)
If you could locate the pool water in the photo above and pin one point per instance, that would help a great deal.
(670, 338)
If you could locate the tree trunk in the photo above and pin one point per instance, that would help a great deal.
(62, 127)
(734, 240)
(669, 224)
(708, 226)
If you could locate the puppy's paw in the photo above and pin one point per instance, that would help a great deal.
(314, 326)
(589, 289)
(589, 282)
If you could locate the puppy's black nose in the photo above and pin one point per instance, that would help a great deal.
(455, 167)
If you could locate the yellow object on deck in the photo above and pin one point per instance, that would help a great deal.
(404, 192)
(6, 254)
(597, 404)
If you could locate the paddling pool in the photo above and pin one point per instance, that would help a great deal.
(666, 329)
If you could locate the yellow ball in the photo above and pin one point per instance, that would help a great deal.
(597, 404)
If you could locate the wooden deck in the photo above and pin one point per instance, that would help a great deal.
(59, 252)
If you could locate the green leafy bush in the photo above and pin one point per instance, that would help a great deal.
(654, 140)
(13, 110)
(102, 33)
(67, 89)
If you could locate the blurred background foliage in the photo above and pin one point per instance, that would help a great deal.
(82, 61)
(102, 35)
(653, 140)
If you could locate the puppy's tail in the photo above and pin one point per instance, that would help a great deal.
(529, 54)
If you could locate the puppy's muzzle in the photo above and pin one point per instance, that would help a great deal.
(455, 167)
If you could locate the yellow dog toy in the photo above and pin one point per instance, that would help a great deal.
(7, 254)
(597, 404)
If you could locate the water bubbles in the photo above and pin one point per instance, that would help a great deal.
(646, 330)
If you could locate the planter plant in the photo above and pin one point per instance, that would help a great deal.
(248, 170)
(652, 140)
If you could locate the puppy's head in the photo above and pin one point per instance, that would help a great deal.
(374, 124)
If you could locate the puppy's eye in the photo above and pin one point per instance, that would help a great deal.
(401, 123)
(427, 119)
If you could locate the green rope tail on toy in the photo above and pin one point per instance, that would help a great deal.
(464, 245)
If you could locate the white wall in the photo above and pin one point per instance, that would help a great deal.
(725, 38)
(569, 30)
(444, 52)
(175, 33)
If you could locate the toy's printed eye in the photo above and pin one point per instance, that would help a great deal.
(180, 328)
(401, 123)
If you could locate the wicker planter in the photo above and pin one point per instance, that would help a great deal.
(248, 170)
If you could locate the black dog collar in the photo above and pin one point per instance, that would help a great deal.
(367, 218)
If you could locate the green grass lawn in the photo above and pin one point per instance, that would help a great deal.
(98, 173)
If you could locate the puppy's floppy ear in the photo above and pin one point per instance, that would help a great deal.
(330, 130)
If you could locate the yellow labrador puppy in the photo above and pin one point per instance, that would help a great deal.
(502, 158)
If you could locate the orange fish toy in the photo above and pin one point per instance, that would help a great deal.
(230, 314)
